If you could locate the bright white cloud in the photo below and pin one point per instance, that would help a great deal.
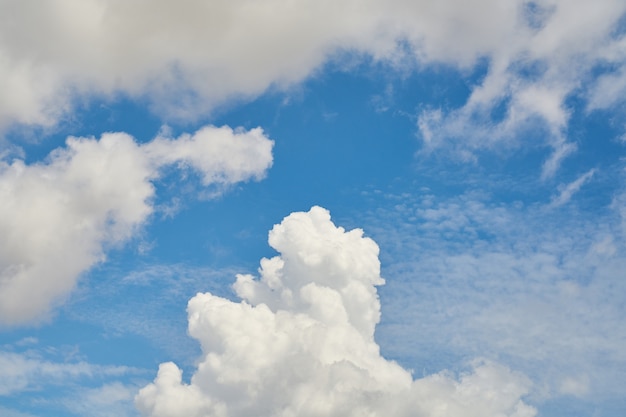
(301, 343)
(57, 217)
(198, 54)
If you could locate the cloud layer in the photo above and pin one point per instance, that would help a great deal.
(57, 217)
(537, 286)
(187, 57)
(301, 343)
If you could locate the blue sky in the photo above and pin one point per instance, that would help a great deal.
(443, 184)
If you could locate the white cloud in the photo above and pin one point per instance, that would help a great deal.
(187, 57)
(301, 343)
(540, 290)
(27, 371)
(160, 318)
(43, 379)
(533, 69)
(578, 386)
(609, 89)
(58, 217)
(109, 400)
(561, 150)
(572, 188)
(7, 412)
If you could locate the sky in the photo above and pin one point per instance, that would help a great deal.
(395, 208)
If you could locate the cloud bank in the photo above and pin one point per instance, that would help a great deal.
(57, 217)
(301, 343)
(188, 57)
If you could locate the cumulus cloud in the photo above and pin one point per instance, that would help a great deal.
(198, 54)
(301, 343)
(58, 216)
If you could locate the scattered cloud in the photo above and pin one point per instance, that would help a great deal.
(189, 57)
(41, 379)
(58, 216)
(29, 371)
(561, 150)
(109, 400)
(116, 301)
(570, 189)
(7, 412)
(301, 343)
(531, 284)
(538, 289)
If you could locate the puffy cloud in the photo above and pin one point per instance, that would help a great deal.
(301, 343)
(198, 54)
(57, 217)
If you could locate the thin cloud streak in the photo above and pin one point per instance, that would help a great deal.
(301, 343)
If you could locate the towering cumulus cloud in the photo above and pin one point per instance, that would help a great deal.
(57, 217)
(301, 343)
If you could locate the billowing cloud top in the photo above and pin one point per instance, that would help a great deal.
(57, 216)
(301, 343)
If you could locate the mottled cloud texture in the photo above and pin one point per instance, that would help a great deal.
(301, 343)
(58, 216)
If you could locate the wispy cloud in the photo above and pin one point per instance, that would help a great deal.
(570, 189)
(160, 318)
(29, 371)
(535, 288)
